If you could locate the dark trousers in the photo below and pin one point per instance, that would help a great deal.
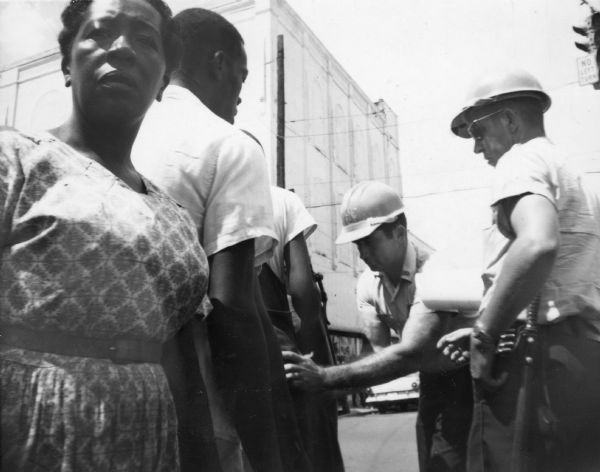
(562, 428)
(318, 424)
(316, 413)
(445, 407)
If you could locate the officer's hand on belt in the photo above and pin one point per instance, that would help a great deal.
(483, 351)
(455, 345)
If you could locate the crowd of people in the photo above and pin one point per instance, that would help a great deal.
(158, 310)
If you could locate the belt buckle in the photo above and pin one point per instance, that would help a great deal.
(121, 351)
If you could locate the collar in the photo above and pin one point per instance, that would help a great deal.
(177, 92)
(409, 268)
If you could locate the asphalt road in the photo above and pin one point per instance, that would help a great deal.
(379, 442)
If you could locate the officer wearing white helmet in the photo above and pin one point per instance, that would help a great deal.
(373, 218)
(537, 408)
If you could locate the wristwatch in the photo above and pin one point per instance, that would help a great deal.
(481, 334)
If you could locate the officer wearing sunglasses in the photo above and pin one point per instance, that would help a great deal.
(551, 256)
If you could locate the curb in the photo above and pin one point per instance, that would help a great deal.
(358, 412)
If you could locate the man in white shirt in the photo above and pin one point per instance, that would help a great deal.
(288, 276)
(188, 146)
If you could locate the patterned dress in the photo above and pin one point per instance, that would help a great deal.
(85, 255)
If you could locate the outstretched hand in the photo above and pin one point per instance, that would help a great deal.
(302, 373)
(456, 345)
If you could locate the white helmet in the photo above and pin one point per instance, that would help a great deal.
(495, 88)
(365, 207)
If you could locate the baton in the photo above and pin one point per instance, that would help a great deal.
(522, 433)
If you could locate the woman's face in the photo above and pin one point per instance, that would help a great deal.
(117, 64)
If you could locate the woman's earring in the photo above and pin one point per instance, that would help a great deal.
(67, 82)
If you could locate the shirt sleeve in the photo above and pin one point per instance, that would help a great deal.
(522, 171)
(239, 203)
(418, 307)
(376, 331)
(298, 219)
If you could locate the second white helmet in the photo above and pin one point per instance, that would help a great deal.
(365, 207)
(495, 87)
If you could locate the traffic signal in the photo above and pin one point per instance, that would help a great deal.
(591, 30)
(588, 65)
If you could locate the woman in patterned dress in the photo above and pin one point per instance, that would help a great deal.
(98, 267)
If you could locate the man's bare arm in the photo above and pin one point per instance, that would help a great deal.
(532, 222)
(240, 354)
(416, 351)
(528, 262)
(312, 336)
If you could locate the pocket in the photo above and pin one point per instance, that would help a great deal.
(577, 220)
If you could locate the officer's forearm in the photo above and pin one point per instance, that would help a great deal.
(390, 363)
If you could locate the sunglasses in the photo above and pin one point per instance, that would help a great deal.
(475, 130)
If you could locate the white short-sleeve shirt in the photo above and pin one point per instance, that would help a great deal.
(212, 168)
(573, 287)
(290, 218)
(220, 176)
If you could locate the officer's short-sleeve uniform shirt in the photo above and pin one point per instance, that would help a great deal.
(392, 304)
(573, 287)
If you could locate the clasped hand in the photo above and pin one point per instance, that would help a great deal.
(459, 347)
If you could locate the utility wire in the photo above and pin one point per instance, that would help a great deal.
(389, 138)
(400, 123)
(334, 117)
(345, 131)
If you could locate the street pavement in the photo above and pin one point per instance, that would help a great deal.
(374, 442)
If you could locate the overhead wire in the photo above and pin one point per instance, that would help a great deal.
(348, 131)
(397, 123)
(334, 117)
(368, 114)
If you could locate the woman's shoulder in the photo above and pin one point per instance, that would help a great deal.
(15, 141)
(27, 152)
(161, 195)
(15, 149)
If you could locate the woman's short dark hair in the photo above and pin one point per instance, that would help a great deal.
(74, 14)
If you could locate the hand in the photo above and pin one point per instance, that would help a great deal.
(507, 341)
(302, 373)
(455, 345)
(482, 360)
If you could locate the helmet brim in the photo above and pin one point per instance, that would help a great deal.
(356, 234)
(459, 125)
